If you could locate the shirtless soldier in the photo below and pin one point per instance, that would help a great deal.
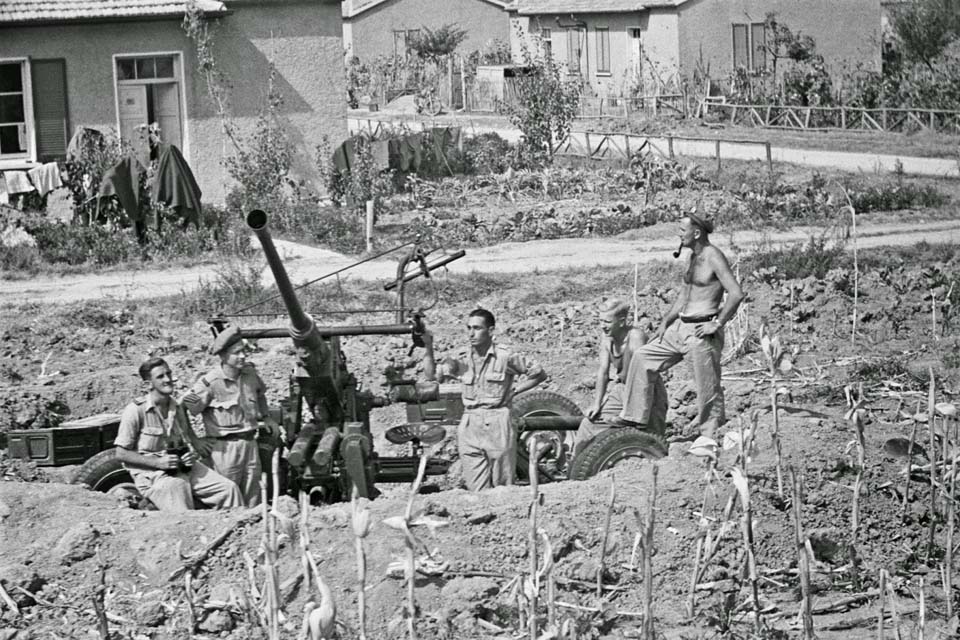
(693, 327)
(620, 340)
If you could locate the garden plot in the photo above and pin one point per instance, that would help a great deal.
(699, 578)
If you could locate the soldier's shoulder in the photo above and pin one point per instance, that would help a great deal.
(141, 400)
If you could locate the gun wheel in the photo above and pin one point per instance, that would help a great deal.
(544, 403)
(105, 473)
(613, 447)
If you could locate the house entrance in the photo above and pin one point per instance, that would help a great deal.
(148, 91)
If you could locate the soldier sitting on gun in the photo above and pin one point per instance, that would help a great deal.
(231, 397)
(157, 446)
(620, 340)
(486, 437)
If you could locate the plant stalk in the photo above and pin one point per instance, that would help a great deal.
(606, 534)
(803, 558)
(647, 550)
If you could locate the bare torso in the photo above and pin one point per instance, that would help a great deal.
(706, 290)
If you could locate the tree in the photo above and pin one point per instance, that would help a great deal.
(784, 43)
(926, 27)
(545, 106)
(433, 44)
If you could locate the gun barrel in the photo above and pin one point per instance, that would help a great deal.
(299, 320)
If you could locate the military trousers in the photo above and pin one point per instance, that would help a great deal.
(487, 442)
(170, 492)
(651, 360)
(237, 458)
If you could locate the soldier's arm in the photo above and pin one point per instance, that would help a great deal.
(533, 374)
(126, 443)
(603, 379)
(429, 361)
(198, 398)
(729, 281)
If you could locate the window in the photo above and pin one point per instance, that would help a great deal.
(148, 92)
(750, 46)
(546, 41)
(603, 50)
(401, 41)
(16, 128)
(574, 50)
(33, 110)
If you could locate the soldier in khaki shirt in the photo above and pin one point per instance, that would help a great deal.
(486, 437)
(152, 445)
(231, 398)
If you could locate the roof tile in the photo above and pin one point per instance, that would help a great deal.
(541, 7)
(26, 11)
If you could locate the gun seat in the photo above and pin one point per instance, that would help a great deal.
(415, 432)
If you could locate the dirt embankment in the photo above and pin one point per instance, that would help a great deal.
(49, 532)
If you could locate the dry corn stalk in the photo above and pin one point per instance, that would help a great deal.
(913, 439)
(855, 413)
(533, 587)
(931, 407)
(361, 528)
(606, 535)
(804, 559)
(647, 554)
(740, 481)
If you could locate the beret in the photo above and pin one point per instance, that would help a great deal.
(613, 308)
(701, 221)
(226, 338)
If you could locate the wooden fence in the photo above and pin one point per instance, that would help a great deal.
(838, 118)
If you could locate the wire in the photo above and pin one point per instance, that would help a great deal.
(237, 313)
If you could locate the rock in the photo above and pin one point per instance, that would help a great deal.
(481, 517)
(467, 594)
(4, 510)
(150, 614)
(287, 506)
(828, 545)
(216, 622)
(8, 634)
(78, 543)
(14, 575)
(677, 449)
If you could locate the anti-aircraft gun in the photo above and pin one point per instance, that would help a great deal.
(329, 447)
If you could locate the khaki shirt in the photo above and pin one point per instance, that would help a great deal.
(144, 429)
(487, 381)
(230, 405)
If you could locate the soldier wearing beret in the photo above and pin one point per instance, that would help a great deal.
(620, 340)
(486, 436)
(157, 446)
(231, 398)
(693, 327)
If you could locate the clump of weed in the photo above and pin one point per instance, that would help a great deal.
(817, 257)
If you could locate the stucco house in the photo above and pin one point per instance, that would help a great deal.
(119, 64)
(374, 28)
(624, 47)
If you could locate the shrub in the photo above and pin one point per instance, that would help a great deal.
(19, 258)
(818, 256)
(60, 243)
(237, 284)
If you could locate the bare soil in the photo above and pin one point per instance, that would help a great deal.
(84, 355)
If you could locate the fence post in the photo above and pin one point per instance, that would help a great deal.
(769, 156)
(718, 156)
(463, 83)
(883, 118)
(369, 228)
(670, 146)
(843, 118)
(932, 122)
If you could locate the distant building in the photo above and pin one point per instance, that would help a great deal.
(120, 64)
(622, 47)
(374, 28)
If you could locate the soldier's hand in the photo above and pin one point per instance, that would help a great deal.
(203, 448)
(276, 430)
(189, 459)
(594, 411)
(661, 329)
(191, 398)
(167, 462)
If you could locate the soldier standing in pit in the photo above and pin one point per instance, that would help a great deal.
(692, 327)
(621, 339)
(486, 437)
(231, 397)
(152, 445)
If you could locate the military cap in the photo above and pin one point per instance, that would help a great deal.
(225, 339)
(613, 308)
(700, 220)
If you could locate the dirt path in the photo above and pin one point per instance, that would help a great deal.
(305, 262)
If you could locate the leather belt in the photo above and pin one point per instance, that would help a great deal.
(698, 319)
(242, 435)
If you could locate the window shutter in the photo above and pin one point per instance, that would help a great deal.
(49, 79)
(741, 50)
(758, 38)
